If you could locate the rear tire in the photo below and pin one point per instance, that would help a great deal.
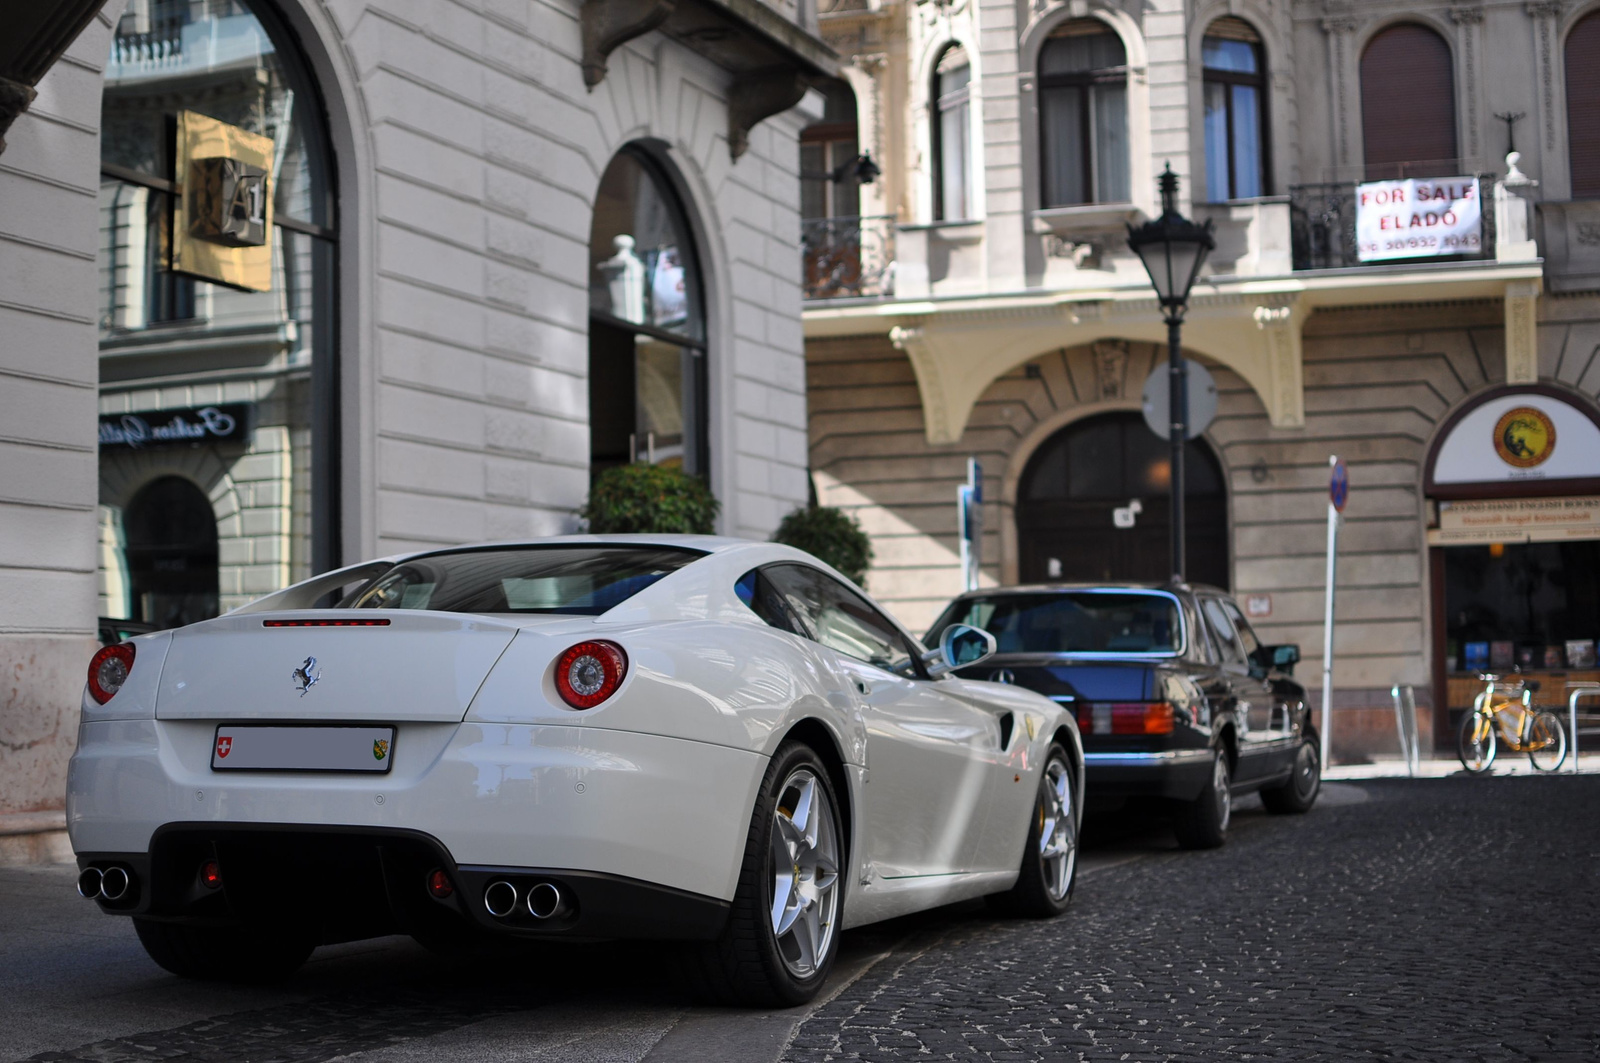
(1547, 742)
(1296, 796)
(783, 930)
(1050, 858)
(1203, 822)
(224, 954)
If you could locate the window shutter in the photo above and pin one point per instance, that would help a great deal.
(1583, 107)
(1408, 104)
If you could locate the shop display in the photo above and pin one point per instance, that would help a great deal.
(1477, 656)
(1580, 653)
(1502, 654)
(1553, 657)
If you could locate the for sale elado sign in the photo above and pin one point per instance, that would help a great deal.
(1418, 218)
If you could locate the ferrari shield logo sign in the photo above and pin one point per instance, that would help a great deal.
(224, 745)
(380, 749)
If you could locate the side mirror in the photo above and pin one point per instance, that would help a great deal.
(1283, 658)
(960, 646)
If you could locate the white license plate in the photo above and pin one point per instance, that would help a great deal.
(260, 747)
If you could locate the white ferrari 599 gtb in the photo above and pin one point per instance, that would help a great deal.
(675, 737)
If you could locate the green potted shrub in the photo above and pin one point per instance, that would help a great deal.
(653, 499)
(829, 534)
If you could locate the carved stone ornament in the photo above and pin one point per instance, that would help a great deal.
(1110, 364)
(759, 96)
(1084, 254)
(14, 99)
(609, 24)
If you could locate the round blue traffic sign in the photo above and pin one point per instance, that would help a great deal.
(1339, 486)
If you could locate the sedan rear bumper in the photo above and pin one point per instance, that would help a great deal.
(1179, 774)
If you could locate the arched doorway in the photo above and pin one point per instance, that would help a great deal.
(647, 327)
(172, 553)
(1066, 498)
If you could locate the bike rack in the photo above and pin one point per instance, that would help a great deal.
(1405, 723)
(1579, 691)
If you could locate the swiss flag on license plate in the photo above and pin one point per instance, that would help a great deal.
(224, 745)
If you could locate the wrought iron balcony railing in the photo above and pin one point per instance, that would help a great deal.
(847, 258)
(1322, 219)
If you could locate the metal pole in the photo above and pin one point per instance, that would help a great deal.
(1178, 386)
(1588, 690)
(1400, 728)
(1327, 632)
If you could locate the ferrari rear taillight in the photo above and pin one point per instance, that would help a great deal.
(108, 670)
(589, 673)
(1125, 718)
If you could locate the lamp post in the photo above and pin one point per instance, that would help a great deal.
(1173, 249)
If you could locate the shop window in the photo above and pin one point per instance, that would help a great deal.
(172, 553)
(952, 136)
(1083, 115)
(1235, 110)
(1583, 106)
(647, 333)
(1077, 478)
(1408, 104)
(268, 345)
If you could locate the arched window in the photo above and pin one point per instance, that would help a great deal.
(1583, 106)
(952, 136)
(172, 553)
(1083, 115)
(1235, 110)
(1073, 482)
(270, 344)
(647, 330)
(1408, 104)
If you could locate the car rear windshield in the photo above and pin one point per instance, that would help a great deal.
(1071, 622)
(586, 580)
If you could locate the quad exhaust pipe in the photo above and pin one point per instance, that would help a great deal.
(108, 884)
(543, 899)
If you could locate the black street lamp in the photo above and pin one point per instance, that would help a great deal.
(1173, 249)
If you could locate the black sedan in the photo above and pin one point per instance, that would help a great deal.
(1176, 697)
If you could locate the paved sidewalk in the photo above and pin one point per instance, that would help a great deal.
(1439, 768)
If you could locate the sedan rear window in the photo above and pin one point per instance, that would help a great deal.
(1080, 622)
(585, 580)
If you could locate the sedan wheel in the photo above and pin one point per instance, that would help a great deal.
(1299, 793)
(1050, 857)
(783, 926)
(1203, 822)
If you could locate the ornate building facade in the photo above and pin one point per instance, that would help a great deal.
(982, 302)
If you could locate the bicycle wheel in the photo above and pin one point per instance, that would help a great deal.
(1477, 743)
(1547, 742)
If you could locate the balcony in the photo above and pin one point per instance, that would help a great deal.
(848, 258)
(1322, 220)
(1569, 233)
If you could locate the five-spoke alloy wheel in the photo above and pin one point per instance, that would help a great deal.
(1050, 858)
(805, 873)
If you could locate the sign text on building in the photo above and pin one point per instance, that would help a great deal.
(1516, 520)
(156, 428)
(1418, 218)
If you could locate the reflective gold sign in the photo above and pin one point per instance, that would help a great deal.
(222, 215)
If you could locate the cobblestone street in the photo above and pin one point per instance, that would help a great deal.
(1438, 920)
(1445, 921)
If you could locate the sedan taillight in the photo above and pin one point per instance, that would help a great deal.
(589, 673)
(1126, 718)
(108, 670)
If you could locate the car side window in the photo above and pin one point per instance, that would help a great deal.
(1199, 642)
(839, 618)
(1242, 627)
(1226, 643)
(756, 591)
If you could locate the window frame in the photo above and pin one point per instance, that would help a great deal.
(909, 645)
(1088, 149)
(1257, 81)
(938, 105)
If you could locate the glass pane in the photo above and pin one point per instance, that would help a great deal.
(1236, 56)
(954, 151)
(640, 253)
(847, 190)
(953, 79)
(215, 58)
(582, 580)
(1072, 623)
(1111, 143)
(1061, 115)
(813, 186)
(1070, 51)
(1247, 155)
(1218, 187)
(1222, 629)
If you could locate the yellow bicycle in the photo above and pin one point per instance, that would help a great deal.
(1506, 707)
